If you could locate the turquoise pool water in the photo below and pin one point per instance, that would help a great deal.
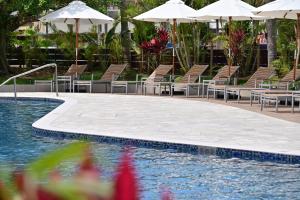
(188, 176)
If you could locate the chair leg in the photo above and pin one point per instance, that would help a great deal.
(262, 105)
(187, 91)
(207, 93)
(277, 104)
(293, 104)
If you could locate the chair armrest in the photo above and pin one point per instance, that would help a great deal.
(208, 82)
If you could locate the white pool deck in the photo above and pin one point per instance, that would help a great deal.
(171, 120)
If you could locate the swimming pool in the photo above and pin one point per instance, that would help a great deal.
(188, 176)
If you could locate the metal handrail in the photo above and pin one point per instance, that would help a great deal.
(28, 72)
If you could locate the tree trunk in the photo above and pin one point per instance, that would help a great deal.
(125, 33)
(3, 48)
(271, 30)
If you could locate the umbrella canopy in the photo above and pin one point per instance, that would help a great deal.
(286, 9)
(173, 11)
(76, 13)
(77, 10)
(225, 10)
(167, 12)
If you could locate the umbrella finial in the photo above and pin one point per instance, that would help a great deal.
(77, 2)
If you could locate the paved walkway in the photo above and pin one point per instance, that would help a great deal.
(171, 120)
(284, 112)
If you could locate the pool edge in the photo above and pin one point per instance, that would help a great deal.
(221, 152)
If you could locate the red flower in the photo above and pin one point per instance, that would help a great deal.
(19, 180)
(126, 186)
(166, 195)
(87, 167)
(43, 194)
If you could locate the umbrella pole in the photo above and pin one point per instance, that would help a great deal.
(298, 45)
(142, 61)
(77, 30)
(174, 44)
(229, 33)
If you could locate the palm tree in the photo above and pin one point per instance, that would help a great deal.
(271, 30)
(125, 33)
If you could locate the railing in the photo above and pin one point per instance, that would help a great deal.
(30, 71)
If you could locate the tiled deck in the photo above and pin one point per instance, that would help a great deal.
(171, 120)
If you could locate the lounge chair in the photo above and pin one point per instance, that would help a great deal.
(112, 73)
(256, 81)
(73, 73)
(276, 96)
(220, 80)
(158, 79)
(279, 88)
(287, 80)
(295, 98)
(189, 79)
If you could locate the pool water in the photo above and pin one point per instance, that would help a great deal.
(188, 176)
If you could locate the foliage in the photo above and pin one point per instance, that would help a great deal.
(286, 43)
(155, 47)
(143, 31)
(158, 43)
(28, 11)
(41, 180)
(281, 67)
(116, 49)
(113, 42)
(66, 43)
(237, 38)
(31, 46)
(191, 39)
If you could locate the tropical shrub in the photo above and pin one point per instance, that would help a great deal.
(41, 180)
(155, 47)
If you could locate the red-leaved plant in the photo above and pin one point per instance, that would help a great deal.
(158, 43)
(236, 40)
(85, 184)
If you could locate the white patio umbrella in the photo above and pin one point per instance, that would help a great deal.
(227, 10)
(284, 9)
(76, 13)
(173, 11)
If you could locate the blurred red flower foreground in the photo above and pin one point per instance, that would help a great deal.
(42, 181)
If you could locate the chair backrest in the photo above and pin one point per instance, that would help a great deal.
(75, 70)
(159, 73)
(223, 73)
(113, 72)
(193, 74)
(261, 74)
(290, 76)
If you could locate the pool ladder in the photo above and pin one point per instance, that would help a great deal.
(29, 72)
